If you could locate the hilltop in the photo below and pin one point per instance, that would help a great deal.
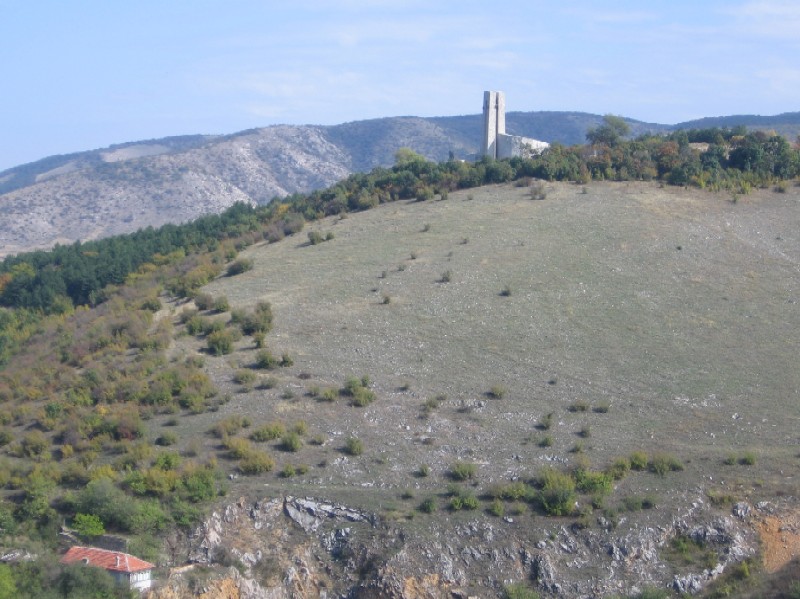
(578, 389)
(133, 185)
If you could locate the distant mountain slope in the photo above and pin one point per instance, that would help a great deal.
(124, 187)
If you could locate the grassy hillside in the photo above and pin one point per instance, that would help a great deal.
(674, 309)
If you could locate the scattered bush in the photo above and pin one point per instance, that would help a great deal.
(748, 459)
(556, 492)
(167, 439)
(256, 462)
(497, 392)
(220, 343)
(638, 460)
(268, 432)
(265, 360)
(661, 463)
(239, 266)
(461, 471)
(428, 506)
(446, 277)
(291, 441)
(353, 446)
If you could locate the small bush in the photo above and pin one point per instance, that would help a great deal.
(519, 590)
(315, 237)
(505, 291)
(244, 376)
(546, 422)
(638, 460)
(221, 304)
(220, 343)
(497, 392)
(265, 360)
(748, 459)
(362, 397)
(662, 463)
(428, 506)
(291, 441)
(601, 408)
(496, 508)
(446, 277)
(557, 492)
(203, 301)
(268, 432)
(167, 439)
(256, 462)
(619, 468)
(546, 441)
(353, 446)
(579, 406)
(538, 191)
(461, 471)
(424, 471)
(239, 266)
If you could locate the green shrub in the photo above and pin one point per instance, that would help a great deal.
(601, 408)
(505, 291)
(556, 492)
(638, 460)
(167, 439)
(244, 376)
(661, 463)
(286, 360)
(220, 343)
(619, 468)
(424, 471)
(446, 277)
(329, 394)
(88, 525)
(496, 508)
(596, 483)
(291, 441)
(203, 301)
(362, 397)
(353, 446)
(461, 471)
(256, 462)
(748, 459)
(239, 266)
(315, 237)
(268, 432)
(221, 304)
(428, 506)
(519, 590)
(497, 392)
(265, 360)
(546, 422)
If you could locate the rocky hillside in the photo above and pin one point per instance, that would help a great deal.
(129, 186)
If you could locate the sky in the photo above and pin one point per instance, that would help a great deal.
(83, 74)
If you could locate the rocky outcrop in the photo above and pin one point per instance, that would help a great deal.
(305, 547)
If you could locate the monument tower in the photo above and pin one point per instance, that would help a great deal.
(494, 121)
(496, 143)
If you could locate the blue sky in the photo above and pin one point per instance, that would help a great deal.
(83, 74)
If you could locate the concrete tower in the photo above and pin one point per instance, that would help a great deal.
(494, 121)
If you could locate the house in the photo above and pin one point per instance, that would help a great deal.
(126, 569)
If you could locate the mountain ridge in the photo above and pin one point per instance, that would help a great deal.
(127, 186)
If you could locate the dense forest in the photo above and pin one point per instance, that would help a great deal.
(82, 361)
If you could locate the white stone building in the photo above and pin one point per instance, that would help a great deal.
(496, 143)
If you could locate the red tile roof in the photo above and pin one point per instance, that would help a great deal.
(114, 561)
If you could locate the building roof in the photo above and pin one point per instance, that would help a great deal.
(114, 561)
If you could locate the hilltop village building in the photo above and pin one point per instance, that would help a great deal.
(129, 571)
(496, 143)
